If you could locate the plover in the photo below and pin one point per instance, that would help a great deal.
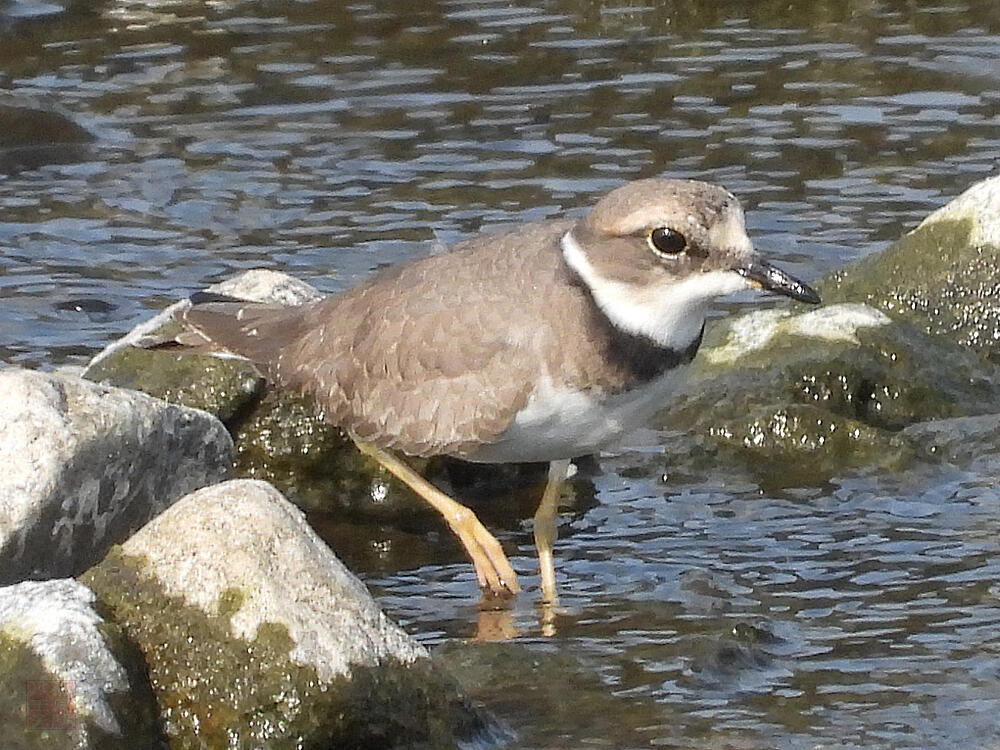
(541, 343)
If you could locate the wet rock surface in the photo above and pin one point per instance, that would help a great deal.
(905, 337)
(32, 135)
(283, 440)
(942, 276)
(224, 387)
(68, 677)
(255, 633)
(86, 465)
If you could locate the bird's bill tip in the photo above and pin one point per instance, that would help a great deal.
(763, 275)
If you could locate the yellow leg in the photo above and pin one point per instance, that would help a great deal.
(545, 529)
(493, 570)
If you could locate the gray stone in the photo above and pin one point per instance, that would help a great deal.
(67, 676)
(86, 465)
(262, 285)
(960, 441)
(247, 614)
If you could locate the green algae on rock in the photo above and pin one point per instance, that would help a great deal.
(255, 634)
(942, 276)
(68, 678)
(803, 395)
(223, 387)
(283, 440)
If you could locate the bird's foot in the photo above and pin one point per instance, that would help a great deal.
(494, 573)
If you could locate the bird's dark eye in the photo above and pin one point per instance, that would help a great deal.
(666, 241)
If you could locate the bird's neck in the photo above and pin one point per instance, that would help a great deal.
(644, 351)
(671, 317)
(643, 358)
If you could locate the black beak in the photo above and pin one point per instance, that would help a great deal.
(773, 279)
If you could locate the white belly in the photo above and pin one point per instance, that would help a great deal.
(558, 423)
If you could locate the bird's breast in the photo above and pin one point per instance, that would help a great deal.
(563, 422)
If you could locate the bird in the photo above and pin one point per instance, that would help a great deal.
(540, 343)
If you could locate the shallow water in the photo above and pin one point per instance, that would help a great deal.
(328, 139)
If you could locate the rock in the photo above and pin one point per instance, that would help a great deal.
(86, 465)
(68, 678)
(906, 336)
(959, 441)
(284, 441)
(564, 687)
(799, 396)
(223, 387)
(262, 285)
(30, 125)
(942, 276)
(32, 135)
(256, 635)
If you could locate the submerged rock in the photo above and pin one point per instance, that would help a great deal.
(68, 678)
(32, 135)
(959, 441)
(86, 465)
(256, 635)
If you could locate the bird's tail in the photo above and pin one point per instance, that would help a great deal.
(254, 330)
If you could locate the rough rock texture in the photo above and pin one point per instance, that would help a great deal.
(284, 441)
(942, 276)
(262, 285)
(255, 634)
(86, 465)
(223, 387)
(68, 679)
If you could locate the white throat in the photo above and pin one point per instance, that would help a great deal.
(671, 314)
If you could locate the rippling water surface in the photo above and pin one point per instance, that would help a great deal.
(327, 139)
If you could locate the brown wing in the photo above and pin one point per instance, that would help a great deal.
(418, 383)
(433, 357)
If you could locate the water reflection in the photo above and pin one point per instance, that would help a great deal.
(846, 615)
(327, 139)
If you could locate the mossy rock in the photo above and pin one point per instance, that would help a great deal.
(215, 689)
(942, 277)
(36, 709)
(77, 684)
(285, 441)
(223, 387)
(801, 395)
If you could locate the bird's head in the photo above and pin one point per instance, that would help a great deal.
(654, 253)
